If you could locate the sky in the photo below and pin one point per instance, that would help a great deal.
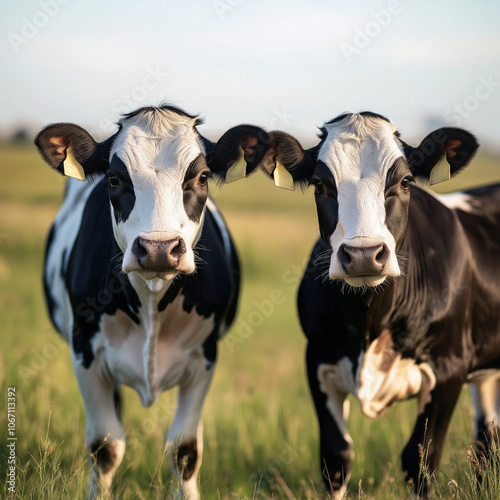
(289, 65)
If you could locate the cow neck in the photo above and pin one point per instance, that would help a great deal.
(398, 305)
(410, 304)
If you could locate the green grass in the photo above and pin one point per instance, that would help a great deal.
(260, 427)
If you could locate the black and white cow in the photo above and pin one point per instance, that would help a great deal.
(401, 297)
(141, 275)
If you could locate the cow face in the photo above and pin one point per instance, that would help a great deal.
(362, 172)
(157, 179)
(157, 168)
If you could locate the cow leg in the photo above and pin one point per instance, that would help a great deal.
(332, 408)
(184, 444)
(422, 454)
(486, 398)
(104, 433)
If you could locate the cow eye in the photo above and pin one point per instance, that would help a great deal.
(113, 181)
(406, 181)
(318, 185)
(203, 178)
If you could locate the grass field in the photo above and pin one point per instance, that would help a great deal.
(260, 428)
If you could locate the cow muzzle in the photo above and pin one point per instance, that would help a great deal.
(160, 258)
(363, 265)
(363, 261)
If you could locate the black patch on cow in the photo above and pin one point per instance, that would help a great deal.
(195, 189)
(371, 114)
(62, 270)
(215, 281)
(121, 189)
(397, 199)
(326, 200)
(171, 293)
(187, 456)
(49, 299)
(398, 171)
(104, 454)
(94, 281)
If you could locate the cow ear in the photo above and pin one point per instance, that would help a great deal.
(288, 162)
(457, 145)
(72, 151)
(237, 153)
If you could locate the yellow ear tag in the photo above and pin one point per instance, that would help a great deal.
(238, 169)
(440, 173)
(282, 177)
(71, 167)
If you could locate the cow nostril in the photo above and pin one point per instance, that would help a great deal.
(382, 254)
(139, 249)
(178, 249)
(344, 256)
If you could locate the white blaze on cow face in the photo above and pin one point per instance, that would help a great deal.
(155, 223)
(359, 151)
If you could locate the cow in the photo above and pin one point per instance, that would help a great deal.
(401, 295)
(141, 274)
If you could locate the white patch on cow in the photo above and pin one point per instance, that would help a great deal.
(226, 240)
(221, 225)
(66, 226)
(155, 285)
(481, 375)
(336, 381)
(157, 149)
(170, 343)
(359, 151)
(384, 378)
(458, 200)
(485, 394)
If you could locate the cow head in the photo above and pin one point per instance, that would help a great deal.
(156, 166)
(362, 172)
